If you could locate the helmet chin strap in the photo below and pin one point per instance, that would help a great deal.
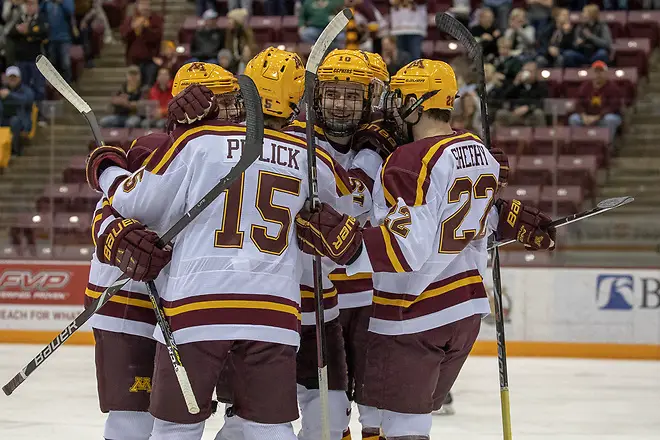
(425, 97)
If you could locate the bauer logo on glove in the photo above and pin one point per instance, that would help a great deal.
(525, 224)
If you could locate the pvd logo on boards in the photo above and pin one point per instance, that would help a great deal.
(627, 292)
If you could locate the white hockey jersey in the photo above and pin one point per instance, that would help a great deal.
(363, 168)
(235, 270)
(432, 201)
(129, 310)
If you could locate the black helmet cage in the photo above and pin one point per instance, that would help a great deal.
(341, 128)
(232, 108)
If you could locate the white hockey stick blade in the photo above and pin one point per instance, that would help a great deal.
(334, 28)
(601, 207)
(186, 389)
(55, 79)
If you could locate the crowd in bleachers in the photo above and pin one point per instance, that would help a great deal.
(560, 75)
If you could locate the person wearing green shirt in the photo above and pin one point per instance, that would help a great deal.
(315, 16)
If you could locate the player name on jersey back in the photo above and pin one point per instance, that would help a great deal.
(467, 156)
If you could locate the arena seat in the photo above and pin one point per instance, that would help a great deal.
(75, 171)
(562, 107)
(266, 29)
(448, 50)
(113, 136)
(525, 193)
(80, 252)
(644, 24)
(578, 170)
(85, 199)
(589, 141)
(534, 170)
(62, 195)
(72, 228)
(513, 140)
(554, 78)
(77, 61)
(291, 47)
(545, 138)
(289, 31)
(568, 198)
(525, 258)
(632, 53)
(191, 23)
(625, 77)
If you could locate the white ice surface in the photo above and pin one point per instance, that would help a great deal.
(551, 399)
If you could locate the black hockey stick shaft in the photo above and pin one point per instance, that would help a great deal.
(603, 206)
(334, 28)
(448, 24)
(251, 151)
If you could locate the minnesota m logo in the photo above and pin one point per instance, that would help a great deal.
(141, 384)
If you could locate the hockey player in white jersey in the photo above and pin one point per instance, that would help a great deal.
(233, 282)
(432, 201)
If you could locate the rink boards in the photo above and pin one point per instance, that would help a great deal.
(576, 312)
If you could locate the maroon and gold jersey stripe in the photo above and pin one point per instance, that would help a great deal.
(360, 282)
(384, 251)
(307, 304)
(124, 305)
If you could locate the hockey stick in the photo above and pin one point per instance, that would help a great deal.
(251, 151)
(53, 77)
(448, 24)
(334, 28)
(601, 207)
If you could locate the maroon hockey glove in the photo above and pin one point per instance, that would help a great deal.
(329, 234)
(101, 158)
(130, 246)
(501, 158)
(194, 103)
(525, 224)
(375, 136)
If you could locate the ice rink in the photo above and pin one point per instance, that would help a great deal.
(550, 399)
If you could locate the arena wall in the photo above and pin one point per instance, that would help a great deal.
(563, 312)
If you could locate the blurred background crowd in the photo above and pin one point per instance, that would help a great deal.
(569, 82)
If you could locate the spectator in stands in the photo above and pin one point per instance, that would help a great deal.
(362, 31)
(240, 4)
(84, 16)
(539, 13)
(494, 89)
(486, 33)
(525, 99)
(506, 63)
(124, 103)
(593, 40)
(16, 101)
(611, 5)
(246, 56)
(161, 92)
(555, 39)
(599, 101)
(225, 60)
(408, 23)
(467, 113)
(168, 58)
(314, 16)
(501, 10)
(239, 33)
(59, 14)
(96, 12)
(28, 37)
(204, 5)
(142, 32)
(521, 34)
(12, 12)
(208, 39)
(393, 57)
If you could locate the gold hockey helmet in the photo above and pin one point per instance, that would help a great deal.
(280, 77)
(217, 79)
(427, 76)
(378, 67)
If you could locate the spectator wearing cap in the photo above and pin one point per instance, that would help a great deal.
(161, 92)
(525, 100)
(142, 32)
(208, 39)
(239, 33)
(16, 101)
(124, 103)
(314, 16)
(555, 39)
(593, 40)
(408, 24)
(599, 101)
(29, 36)
(59, 14)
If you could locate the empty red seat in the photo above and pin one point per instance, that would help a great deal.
(266, 28)
(513, 140)
(589, 141)
(550, 140)
(188, 28)
(554, 78)
(635, 52)
(289, 46)
(644, 24)
(75, 171)
(62, 196)
(525, 193)
(115, 136)
(85, 200)
(72, 228)
(573, 78)
(448, 50)
(578, 170)
(534, 170)
(627, 78)
(568, 200)
(289, 32)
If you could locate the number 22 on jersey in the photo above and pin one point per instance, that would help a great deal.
(230, 235)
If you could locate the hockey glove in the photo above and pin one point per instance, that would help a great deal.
(194, 103)
(525, 224)
(375, 136)
(101, 158)
(329, 234)
(130, 246)
(501, 158)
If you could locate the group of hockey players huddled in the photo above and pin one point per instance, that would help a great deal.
(408, 204)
